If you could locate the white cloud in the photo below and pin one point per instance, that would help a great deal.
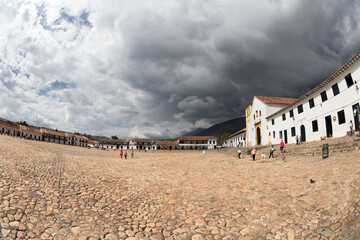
(159, 68)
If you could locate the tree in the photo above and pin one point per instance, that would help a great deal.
(222, 138)
(114, 137)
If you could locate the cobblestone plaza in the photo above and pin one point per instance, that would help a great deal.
(51, 191)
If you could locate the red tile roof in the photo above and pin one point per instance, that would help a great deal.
(30, 129)
(196, 138)
(143, 140)
(115, 140)
(81, 137)
(61, 134)
(276, 100)
(9, 126)
(167, 143)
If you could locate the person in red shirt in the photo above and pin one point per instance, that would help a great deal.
(121, 154)
(282, 146)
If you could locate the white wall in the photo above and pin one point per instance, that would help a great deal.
(238, 140)
(266, 110)
(27, 134)
(343, 101)
(212, 143)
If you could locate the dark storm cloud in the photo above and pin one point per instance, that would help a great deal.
(285, 55)
(160, 68)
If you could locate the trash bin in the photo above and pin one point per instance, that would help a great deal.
(325, 151)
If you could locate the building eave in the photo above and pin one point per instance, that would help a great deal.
(321, 85)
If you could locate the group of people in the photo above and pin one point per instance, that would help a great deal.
(298, 140)
(272, 150)
(125, 154)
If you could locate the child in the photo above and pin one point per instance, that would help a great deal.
(253, 153)
(239, 153)
(272, 149)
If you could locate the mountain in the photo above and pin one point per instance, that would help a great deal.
(230, 126)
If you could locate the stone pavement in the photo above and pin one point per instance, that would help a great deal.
(51, 191)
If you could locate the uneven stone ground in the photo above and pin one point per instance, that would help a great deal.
(51, 191)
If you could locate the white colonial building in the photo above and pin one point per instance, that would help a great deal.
(9, 128)
(93, 144)
(30, 133)
(237, 139)
(115, 143)
(257, 127)
(197, 142)
(325, 111)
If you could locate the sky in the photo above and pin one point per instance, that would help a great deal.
(158, 69)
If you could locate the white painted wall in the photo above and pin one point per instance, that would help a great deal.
(212, 143)
(31, 135)
(238, 140)
(266, 110)
(343, 101)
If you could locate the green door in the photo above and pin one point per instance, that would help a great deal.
(258, 136)
(302, 132)
(328, 124)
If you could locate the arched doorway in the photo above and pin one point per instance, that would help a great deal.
(302, 132)
(258, 136)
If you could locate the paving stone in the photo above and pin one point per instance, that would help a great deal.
(197, 237)
(63, 192)
(324, 231)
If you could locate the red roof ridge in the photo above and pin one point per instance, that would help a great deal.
(276, 100)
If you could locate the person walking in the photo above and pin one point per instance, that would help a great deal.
(282, 144)
(351, 127)
(297, 140)
(272, 149)
(239, 153)
(204, 151)
(121, 154)
(132, 154)
(125, 155)
(253, 153)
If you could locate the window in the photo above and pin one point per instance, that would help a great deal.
(291, 113)
(273, 121)
(293, 131)
(311, 103)
(315, 126)
(254, 116)
(323, 96)
(284, 117)
(280, 134)
(335, 89)
(341, 117)
(300, 108)
(259, 113)
(273, 134)
(349, 80)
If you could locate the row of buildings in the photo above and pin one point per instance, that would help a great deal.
(42, 134)
(323, 112)
(184, 143)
